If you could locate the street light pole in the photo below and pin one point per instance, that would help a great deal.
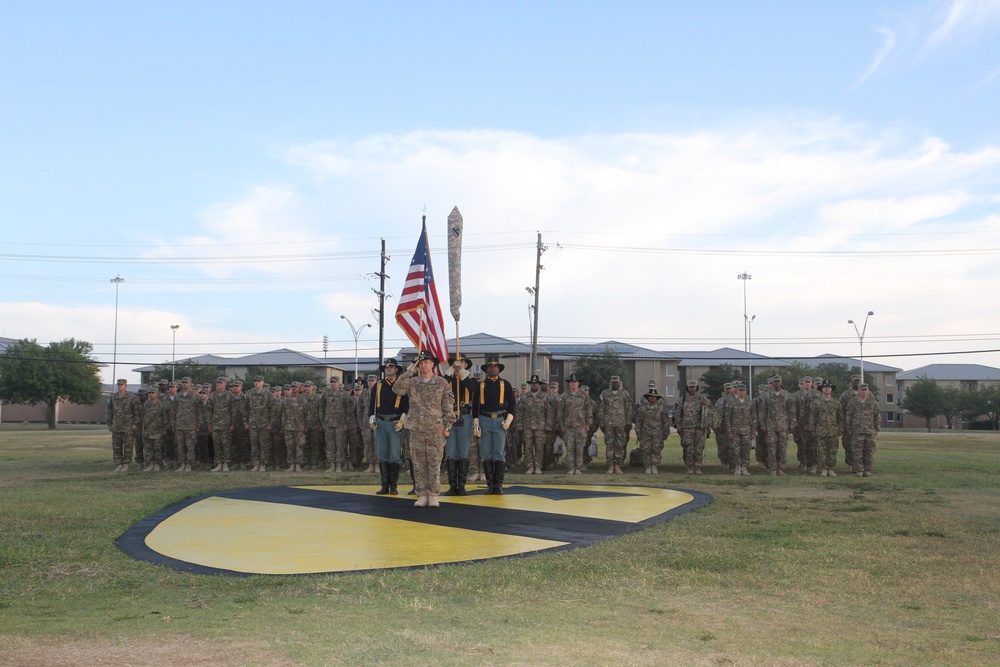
(749, 354)
(861, 340)
(357, 333)
(117, 280)
(746, 323)
(173, 360)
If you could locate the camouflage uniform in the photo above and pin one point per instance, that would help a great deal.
(826, 423)
(652, 428)
(258, 401)
(777, 419)
(805, 441)
(186, 410)
(293, 422)
(220, 419)
(431, 413)
(122, 416)
(723, 445)
(531, 408)
(760, 450)
(552, 401)
(863, 417)
(614, 414)
(573, 421)
(334, 408)
(846, 397)
(361, 416)
(155, 423)
(740, 422)
(279, 454)
(694, 418)
(240, 441)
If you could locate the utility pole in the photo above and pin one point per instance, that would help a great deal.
(538, 277)
(381, 305)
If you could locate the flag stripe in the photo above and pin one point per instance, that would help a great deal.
(419, 312)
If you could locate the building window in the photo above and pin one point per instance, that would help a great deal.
(890, 417)
(888, 399)
(889, 380)
(670, 370)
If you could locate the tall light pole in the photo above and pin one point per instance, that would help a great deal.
(357, 333)
(861, 340)
(746, 322)
(749, 357)
(117, 280)
(173, 360)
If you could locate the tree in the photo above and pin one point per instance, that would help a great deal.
(924, 399)
(951, 403)
(718, 376)
(595, 370)
(991, 402)
(32, 374)
(282, 376)
(199, 373)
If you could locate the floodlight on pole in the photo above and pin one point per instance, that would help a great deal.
(861, 340)
(746, 323)
(173, 359)
(117, 280)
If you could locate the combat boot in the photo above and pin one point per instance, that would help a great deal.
(383, 470)
(655, 471)
(148, 468)
(217, 468)
(697, 470)
(225, 467)
(831, 473)
(421, 502)
(499, 468)
(452, 466)
(432, 501)
(393, 472)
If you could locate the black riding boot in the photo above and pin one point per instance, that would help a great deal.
(499, 468)
(461, 476)
(488, 471)
(452, 478)
(413, 478)
(383, 471)
(392, 470)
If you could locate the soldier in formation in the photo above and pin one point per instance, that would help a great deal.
(652, 428)
(693, 416)
(573, 421)
(531, 417)
(465, 395)
(497, 407)
(740, 422)
(826, 423)
(614, 414)
(122, 416)
(155, 423)
(863, 424)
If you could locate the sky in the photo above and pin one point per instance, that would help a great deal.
(238, 165)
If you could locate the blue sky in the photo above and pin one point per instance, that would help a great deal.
(237, 164)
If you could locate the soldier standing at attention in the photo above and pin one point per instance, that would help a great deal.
(429, 418)
(279, 454)
(722, 443)
(258, 402)
(777, 422)
(334, 408)
(497, 408)
(386, 417)
(361, 417)
(826, 423)
(615, 417)
(802, 397)
(186, 412)
(220, 419)
(140, 457)
(293, 422)
(122, 416)
(573, 422)
(847, 440)
(465, 395)
(531, 415)
(475, 455)
(863, 417)
(740, 421)
(155, 423)
(652, 428)
(551, 391)
(240, 442)
(692, 423)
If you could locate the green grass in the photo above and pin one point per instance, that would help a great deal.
(897, 569)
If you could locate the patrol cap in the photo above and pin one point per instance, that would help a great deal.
(616, 378)
(122, 381)
(185, 379)
(774, 378)
(805, 379)
(477, 375)
(172, 384)
(287, 387)
(692, 383)
(221, 378)
(334, 380)
(296, 383)
(258, 378)
(143, 390)
(309, 383)
(855, 377)
(818, 381)
(863, 385)
(739, 386)
(728, 385)
(371, 377)
(236, 383)
(162, 381)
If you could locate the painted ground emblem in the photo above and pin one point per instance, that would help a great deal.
(294, 530)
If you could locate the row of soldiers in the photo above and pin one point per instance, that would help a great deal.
(812, 415)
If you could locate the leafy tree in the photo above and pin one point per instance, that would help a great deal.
(950, 404)
(595, 370)
(970, 404)
(282, 376)
(32, 374)
(991, 402)
(718, 376)
(924, 399)
(199, 373)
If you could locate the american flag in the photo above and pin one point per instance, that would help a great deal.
(419, 313)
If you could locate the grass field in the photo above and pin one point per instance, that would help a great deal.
(899, 569)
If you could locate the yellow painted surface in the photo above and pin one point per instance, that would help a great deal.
(272, 538)
(642, 502)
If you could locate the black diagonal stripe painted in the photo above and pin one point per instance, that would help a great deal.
(574, 530)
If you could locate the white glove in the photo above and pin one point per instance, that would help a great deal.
(402, 420)
(507, 420)
(371, 423)
(476, 431)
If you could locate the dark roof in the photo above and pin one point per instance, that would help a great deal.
(623, 350)
(870, 366)
(726, 356)
(952, 372)
(481, 343)
(203, 360)
(282, 357)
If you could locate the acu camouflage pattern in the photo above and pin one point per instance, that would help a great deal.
(531, 408)
(740, 421)
(122, 416)
(573, 419)
(431, 411)
(826, 423)
(615, 415)
(863, 418)
(652, 428)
